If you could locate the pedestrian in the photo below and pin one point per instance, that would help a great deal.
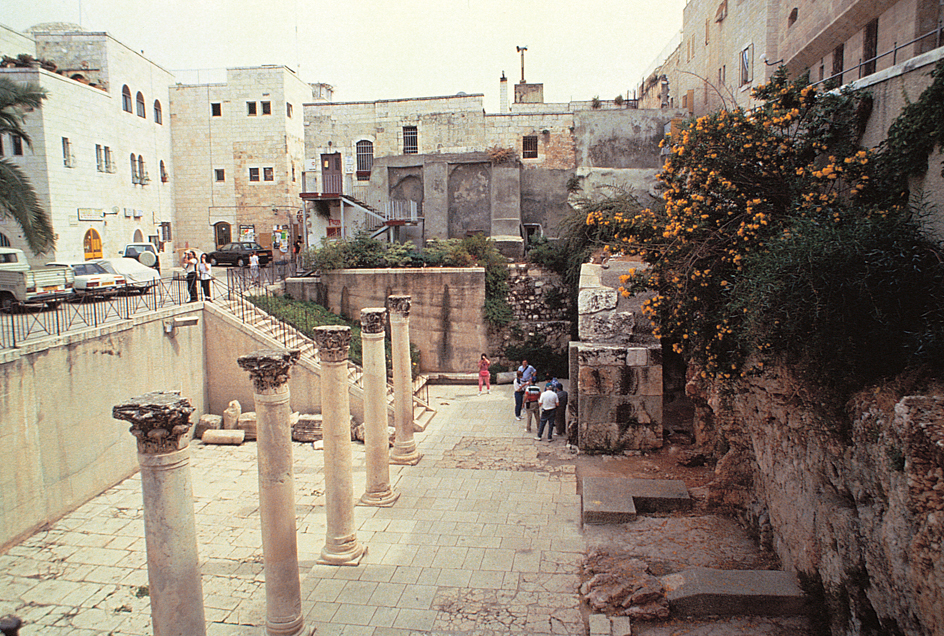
(561, 413)
(548, 412)
(205, 273)
(189, 263)
(254, 268)
(484, 374)
(519, 394)
(528, 373)
(532, 406)
(296, 251)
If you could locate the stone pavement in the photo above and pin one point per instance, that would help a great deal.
(484, 540)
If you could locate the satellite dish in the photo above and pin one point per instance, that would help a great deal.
(147, 258)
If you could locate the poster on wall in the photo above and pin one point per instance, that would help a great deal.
(247, 232)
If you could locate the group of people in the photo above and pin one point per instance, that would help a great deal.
(547, 408)
(197, 269)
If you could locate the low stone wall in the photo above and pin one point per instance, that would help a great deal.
(857, 509)
(446, 322)
(536, 294)
(62, 445)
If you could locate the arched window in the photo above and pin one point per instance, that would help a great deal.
(134, 169)
(126, 98)
(4, 241)
(365, 159)
(92, 244)
(164, 177)
(158, 116)
(138, 237)
(142, 173)
(139, 100)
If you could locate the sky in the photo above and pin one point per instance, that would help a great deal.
(380, 49)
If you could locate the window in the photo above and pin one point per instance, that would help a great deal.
(17, 143)
(529, 147)
(158, 115)
(747, 65)
(134, 169)
(254, 174)
(109, 164)
(792, 18)
(266, 108)
(216, 110)
(220, 174)
(410, 140)
(288, 109)
(870, 47)
(333, 232)
(126, 98)
(365, 159)
(142, 173)
(164, 177)
(268, 174)
(99, 158)
(139, 102)
(251, 108)
(67, 159)
(838, 61)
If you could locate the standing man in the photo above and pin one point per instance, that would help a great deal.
(528, 373)
(254, 268)
(189, 263)
(548, 412)
(561, 414)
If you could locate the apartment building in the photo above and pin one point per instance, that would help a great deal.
(101, 160)
(239, 150)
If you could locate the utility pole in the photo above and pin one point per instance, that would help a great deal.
(522, 49)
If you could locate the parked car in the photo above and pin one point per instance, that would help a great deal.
(144, 253)
(92, 278)
(238, 254)
(139, 278)
(19, 283)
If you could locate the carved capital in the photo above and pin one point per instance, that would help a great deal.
(269, 368)
(333, 342)
(373, 319)
(158, 420)
(399, 305)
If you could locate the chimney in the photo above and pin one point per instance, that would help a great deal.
(503, 94)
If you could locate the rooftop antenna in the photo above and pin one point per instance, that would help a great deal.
(522, 49)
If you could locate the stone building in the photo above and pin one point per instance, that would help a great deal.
(101, 160)
(239, 157)
(727, 47)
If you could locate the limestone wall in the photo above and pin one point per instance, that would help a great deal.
(446, 322)
(856, 509)
(56, 396)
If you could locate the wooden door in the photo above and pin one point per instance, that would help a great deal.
(331, 173)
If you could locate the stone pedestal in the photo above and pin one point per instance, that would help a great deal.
(269, 371)
(160, 422)
(376, 440)
(404, 448)
(341, 545)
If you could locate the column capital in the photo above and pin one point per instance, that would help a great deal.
(269, 368)
(333, 342)
(159, 420)
(373, 319)
(399, 306)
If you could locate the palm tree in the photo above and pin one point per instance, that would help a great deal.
(17, 196)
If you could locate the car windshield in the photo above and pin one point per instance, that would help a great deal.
(108, 267)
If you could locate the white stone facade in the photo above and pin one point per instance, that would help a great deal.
(87, 195)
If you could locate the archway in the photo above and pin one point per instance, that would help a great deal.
(138, 237)
(222, 233)
(92, 244)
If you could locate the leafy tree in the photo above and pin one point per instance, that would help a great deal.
(17, 196)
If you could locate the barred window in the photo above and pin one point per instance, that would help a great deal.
(410, 140)
(365, 159)
(529, 147)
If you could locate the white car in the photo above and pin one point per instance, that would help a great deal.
(139, 278)
(92, 278)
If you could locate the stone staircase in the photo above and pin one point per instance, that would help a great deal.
(291, 338)
(695, 592)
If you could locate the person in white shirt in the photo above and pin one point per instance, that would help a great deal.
(189, 263)
(549, 403)
(205, 274)
(254, 268)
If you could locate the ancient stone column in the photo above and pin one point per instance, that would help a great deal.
(376, 440)
(404, 448)
(269, 371)
(341, 545)
(160, 421)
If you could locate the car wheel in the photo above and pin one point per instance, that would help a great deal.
(240, 262)
(7, 301)
(213, 261)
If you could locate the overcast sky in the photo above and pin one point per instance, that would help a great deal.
(381, 49)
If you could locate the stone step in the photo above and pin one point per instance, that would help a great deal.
(422, 419)
(707, 591)
(619, 499)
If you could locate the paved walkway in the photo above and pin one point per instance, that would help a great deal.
(484, 540)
